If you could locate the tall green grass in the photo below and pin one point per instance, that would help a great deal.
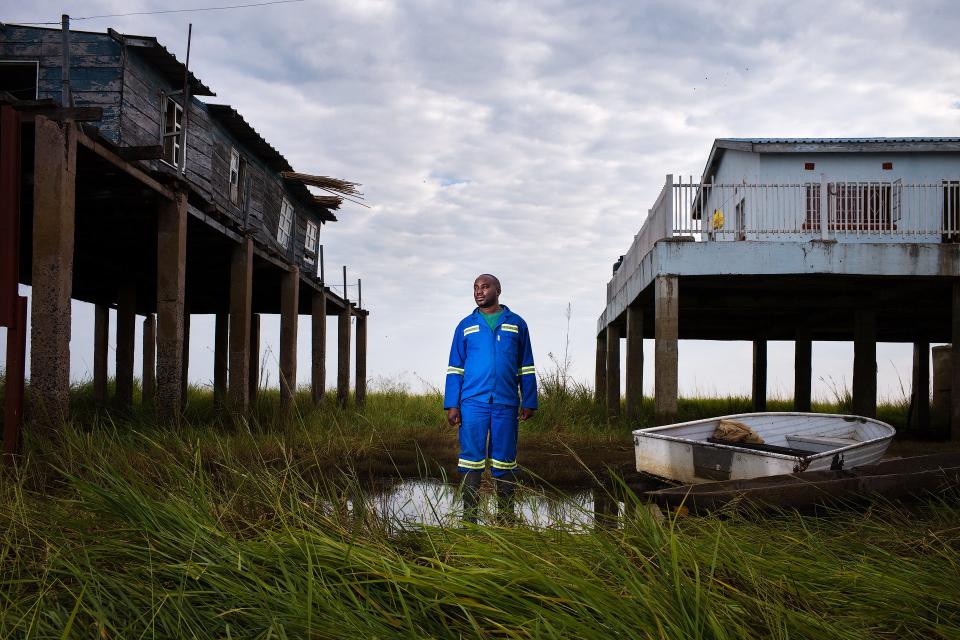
(128, 538)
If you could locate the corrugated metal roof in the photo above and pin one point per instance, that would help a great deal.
(840, 140)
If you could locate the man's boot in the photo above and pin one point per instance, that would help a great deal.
(506, 485)
(471, 495)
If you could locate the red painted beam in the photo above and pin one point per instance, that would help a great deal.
(9, 214)
(16, 364)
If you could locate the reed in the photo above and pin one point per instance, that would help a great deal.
(136, 535)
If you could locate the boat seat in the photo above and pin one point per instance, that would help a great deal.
(823, 440)
(769, 448)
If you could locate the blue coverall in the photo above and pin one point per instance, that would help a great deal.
(486, 370)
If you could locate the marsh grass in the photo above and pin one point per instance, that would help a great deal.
(135, 535)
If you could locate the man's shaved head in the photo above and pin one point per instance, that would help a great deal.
(496, 281)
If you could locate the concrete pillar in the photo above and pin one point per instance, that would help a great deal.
(101, 340)
(955, 357)
(613, 370)
(289, 305)
(149, 359)
(55, 168)
(360, 392)
(759, 375)
(253, 365)
(802, 369)
(634, 363)
(171, 280)
(241, 298)
(920, 387)
(667, 331)
(865, 363)
(600, 375)
(343, 357)
(221, 346)
(185, 370)
(942, 393)
(126, 345)
(318, 361)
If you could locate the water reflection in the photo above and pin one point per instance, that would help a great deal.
(413, 503)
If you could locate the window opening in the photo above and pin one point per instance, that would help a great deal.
(286, 223)
(172, 125)
(238, 171)
(20, 79)
(310, 244)
(951, 211)
(856, 206)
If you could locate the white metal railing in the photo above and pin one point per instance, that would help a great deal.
(857, 211)
(865, 211)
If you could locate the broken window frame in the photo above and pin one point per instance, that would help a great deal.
(285, 223)
(238, 177)
(310, 242)
(171, 138)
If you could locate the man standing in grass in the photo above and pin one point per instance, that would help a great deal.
(491, 383)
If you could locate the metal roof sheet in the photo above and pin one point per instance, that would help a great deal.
(842, 140)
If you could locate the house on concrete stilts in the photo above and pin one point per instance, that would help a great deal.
(794, 239)
(134, 194)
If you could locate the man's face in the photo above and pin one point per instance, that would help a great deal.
(485, 292)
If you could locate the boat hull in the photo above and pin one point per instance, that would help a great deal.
(682, 453)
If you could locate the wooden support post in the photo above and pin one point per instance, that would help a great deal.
(171, 281)
(289, 305)
(221, 345)
(241, 327)
(318, 368)
(865, 363)
(954, 432)
(101, 339)
(613, 370)
(13, 387)
(802, 369)
(126, 345)
(600, 376)
(253, 383)
(54, 192)
(666, 358)
(759, 375)
(149, 381)
(360, 393)
(920, 387)
(185, 371)
(343, 356)
(634, 362)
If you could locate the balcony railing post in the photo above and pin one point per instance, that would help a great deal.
(668, 207)
(824, 207)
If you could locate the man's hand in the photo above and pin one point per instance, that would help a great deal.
(526, 414)
(453, 416)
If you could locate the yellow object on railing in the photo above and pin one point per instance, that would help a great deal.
(717, 219)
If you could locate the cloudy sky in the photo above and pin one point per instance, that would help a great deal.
(528, 139)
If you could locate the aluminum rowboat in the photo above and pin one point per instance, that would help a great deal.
(793, 442)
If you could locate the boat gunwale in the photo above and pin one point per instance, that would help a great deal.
(781, 456)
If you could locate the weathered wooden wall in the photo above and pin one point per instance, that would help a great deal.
(131, 91)
(95, 68)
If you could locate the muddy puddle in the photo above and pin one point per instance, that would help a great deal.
(411, 504)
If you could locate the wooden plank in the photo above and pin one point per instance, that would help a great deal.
(10, 168)
(123, 165)
(64, 114)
